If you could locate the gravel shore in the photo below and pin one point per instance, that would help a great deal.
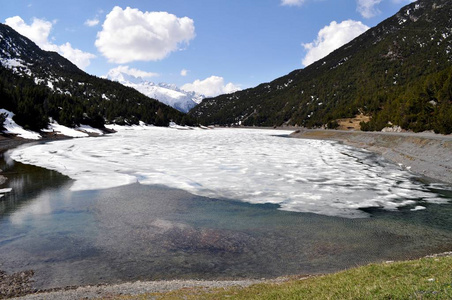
(7, 143)
(425, 154)
(136, 288)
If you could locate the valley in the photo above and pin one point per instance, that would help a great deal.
(159, 170)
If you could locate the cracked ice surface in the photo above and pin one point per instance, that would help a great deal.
(251, 165)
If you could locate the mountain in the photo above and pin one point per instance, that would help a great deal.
(37, 85)
(398, 73)
(166, 93)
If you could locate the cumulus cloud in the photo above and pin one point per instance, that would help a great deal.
(132, 35)
(211, 86)
(292, 2)
(39, 32)
(76, 56)
(183, 72)
(368, 8)
(330, 38)
(132, 71)
(92, 22)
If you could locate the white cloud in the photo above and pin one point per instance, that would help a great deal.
(368, 8)
(92, 22)
(211, 87)
(332, 37)
(39, 32)
(132, 71)
(132, 35)
(76, 56)
(292, 2)
(183, 72)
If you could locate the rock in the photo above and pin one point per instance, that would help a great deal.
(15, 285)
(392, 129)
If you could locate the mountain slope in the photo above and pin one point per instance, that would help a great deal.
(399, 72)
(166, 93)
(37, 84)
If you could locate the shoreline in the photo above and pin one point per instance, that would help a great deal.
(137, 288)
(140, 287)
(425, 154)
(7, 143)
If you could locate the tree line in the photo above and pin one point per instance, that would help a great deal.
(74, 104)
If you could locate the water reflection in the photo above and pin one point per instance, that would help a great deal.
(26, 182)
(138, 232)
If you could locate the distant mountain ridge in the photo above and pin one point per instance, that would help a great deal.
(166, 93)
(399, 73)
(37, 85)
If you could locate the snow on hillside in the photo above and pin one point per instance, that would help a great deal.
(12, 128)
(169, 94)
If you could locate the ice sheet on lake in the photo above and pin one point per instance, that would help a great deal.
(256, 166)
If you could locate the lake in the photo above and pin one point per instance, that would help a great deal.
(154, 203)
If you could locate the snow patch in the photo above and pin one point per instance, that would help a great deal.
(89, 129)
(5, 191)
(16, 65)
(60, 129)
(12, 127)
(418, 207)
(394, 128)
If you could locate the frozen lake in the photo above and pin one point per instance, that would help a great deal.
(158, 203)
(255, 166)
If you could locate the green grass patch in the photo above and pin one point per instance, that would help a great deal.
(426, 278)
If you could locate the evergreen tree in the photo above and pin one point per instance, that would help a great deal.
(2, 121)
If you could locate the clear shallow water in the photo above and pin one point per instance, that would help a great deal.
(148, 232)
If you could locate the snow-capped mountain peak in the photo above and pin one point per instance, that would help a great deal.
(166, 93)
(123, 78)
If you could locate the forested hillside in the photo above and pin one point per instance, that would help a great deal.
(36, 85)
(399, 73)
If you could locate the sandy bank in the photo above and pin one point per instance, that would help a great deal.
(426, 154)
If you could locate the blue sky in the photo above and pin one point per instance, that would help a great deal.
(211, 46)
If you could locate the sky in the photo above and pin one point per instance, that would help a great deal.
(207, 46)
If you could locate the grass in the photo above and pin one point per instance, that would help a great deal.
(426, 278)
